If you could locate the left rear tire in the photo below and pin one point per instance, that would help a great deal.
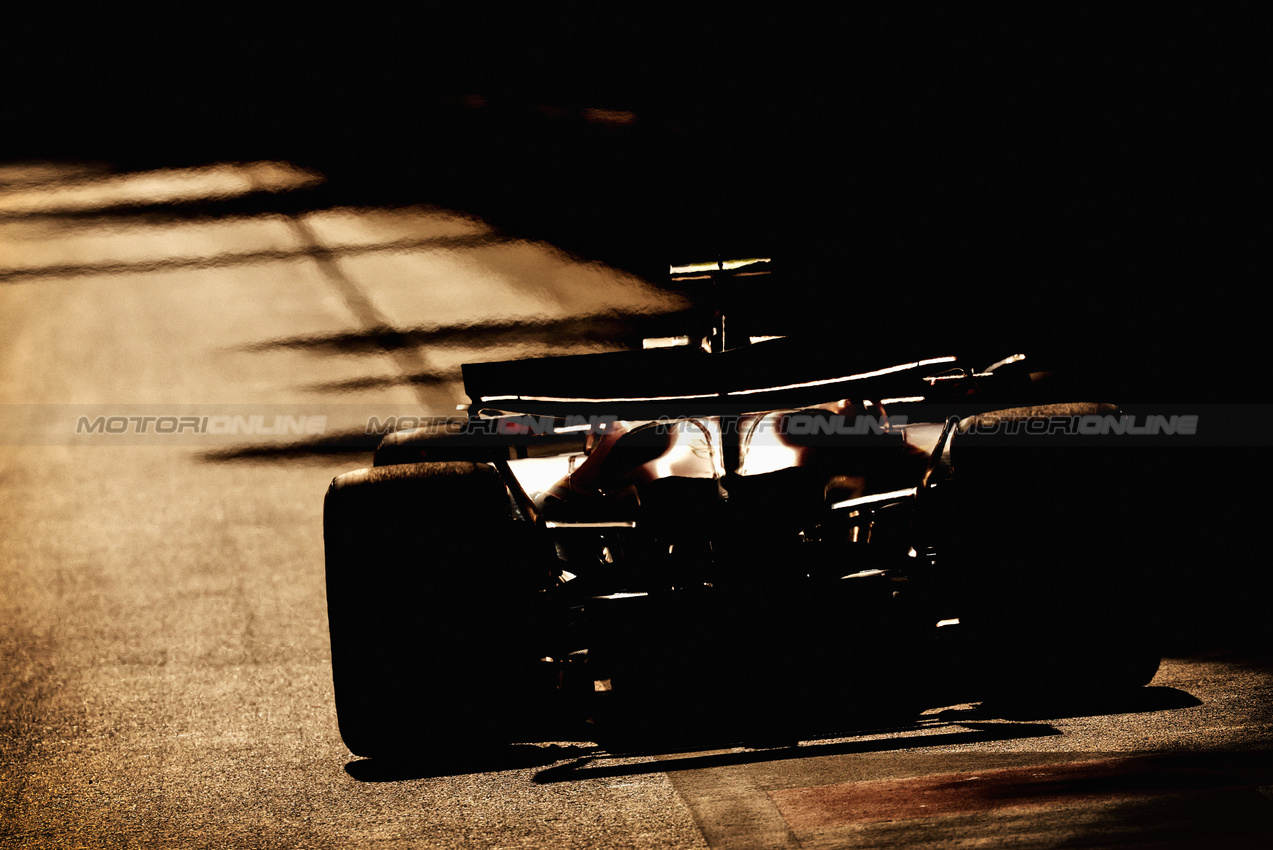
(429, 597)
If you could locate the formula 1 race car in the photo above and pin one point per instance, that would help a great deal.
(711, 542)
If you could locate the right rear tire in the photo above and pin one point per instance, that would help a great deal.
(1045, 558)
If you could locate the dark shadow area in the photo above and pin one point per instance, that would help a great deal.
(252, 204)
(230, 260)
(979, 724)
(512, 757)
(1130, 701)
(686, 755)
(982, 733)
(352, 444)
(420, 379)
(612, 329)
(1099, 799)
(1156, 773)
(1070, 171)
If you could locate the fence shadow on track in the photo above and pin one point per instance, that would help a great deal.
(625, 328)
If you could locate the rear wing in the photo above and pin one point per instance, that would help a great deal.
(686, 381)
(718, 271)
(722, 285)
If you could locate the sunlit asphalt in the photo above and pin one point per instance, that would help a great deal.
(164, 662)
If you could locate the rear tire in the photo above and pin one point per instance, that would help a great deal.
(428, 593)
(1046, 561)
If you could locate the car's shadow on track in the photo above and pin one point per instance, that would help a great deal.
(665, 761)
(681, 755)
(1132, 701)
(491, 760)
(968, 724)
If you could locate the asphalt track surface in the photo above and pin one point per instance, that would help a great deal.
(164, 664)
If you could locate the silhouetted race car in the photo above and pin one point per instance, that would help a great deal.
(709, 542)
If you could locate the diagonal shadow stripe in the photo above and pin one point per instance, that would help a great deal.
(429, 379)
(613, 328)
(348, 443)
(228, 260)
(264, 202)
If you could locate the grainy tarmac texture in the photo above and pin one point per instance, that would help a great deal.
(245, 225)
